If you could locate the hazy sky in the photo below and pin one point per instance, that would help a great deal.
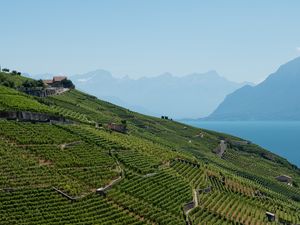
(242, 40)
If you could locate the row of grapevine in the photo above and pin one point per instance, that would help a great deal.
(43, 155)
(137, 161)
(15, 101)
(164, 191)
(194, 175)
(29, 133)
(45, 206)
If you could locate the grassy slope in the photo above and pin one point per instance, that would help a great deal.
(16, 79)
(150, 146)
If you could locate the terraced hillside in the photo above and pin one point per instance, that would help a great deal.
(158, 172)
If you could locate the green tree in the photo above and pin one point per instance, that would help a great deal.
(8, 83)
(33, 83)
(67, 84)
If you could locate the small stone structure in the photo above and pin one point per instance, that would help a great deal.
(284, 179)
(220, 149)
(188, 206)
(205, 190)
(117, 127)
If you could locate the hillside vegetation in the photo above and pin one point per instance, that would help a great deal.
(85, 173)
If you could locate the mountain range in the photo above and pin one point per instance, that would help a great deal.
(276, 98)
(190, 96)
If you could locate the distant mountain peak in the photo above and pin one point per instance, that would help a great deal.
(212, 73)
(185, 96)
(165, 75)
(92, 76)
(98, 72)
(176, 96)
(276, 98)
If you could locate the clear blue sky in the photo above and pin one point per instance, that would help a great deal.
(242, 40)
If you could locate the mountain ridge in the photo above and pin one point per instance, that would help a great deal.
(149, 95)
(276, 98)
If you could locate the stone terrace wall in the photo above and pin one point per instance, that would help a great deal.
(32, 117)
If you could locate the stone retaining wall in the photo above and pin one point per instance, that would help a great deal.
(32, 117)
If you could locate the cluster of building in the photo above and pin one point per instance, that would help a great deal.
(56, 81)
(117, 127)
(55, 86)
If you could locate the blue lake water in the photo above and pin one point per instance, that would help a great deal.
(282, 138)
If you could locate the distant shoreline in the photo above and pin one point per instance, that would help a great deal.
(280, 137)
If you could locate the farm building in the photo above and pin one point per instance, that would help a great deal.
(57, 81)
(117, 127)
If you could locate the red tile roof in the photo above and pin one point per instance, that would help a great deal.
(59, 78)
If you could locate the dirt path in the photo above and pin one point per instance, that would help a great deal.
(109, 186)
(195, 201)
(102, 190)
(195, 197)
(190, 206)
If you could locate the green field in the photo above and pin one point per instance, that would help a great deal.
(49, 172)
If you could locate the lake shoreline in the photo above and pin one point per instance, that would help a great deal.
(279, 137)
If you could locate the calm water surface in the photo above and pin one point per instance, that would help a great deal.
(282, 138)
